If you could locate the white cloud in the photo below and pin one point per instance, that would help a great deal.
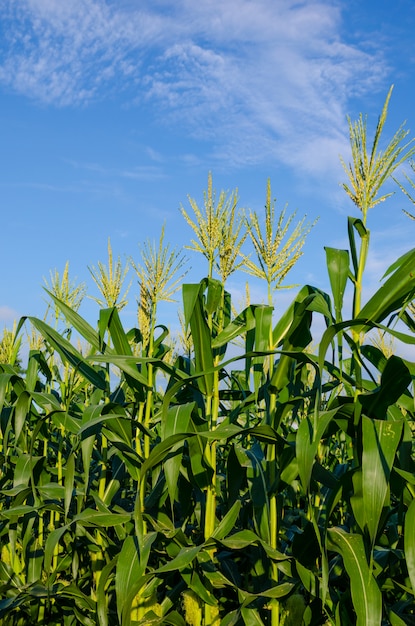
(7, 315)
(138, 172)
(259, 80)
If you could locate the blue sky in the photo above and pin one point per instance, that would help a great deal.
(112, 112)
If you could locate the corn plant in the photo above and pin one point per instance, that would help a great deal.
(263, 485)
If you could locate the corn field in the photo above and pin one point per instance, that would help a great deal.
(244, 474)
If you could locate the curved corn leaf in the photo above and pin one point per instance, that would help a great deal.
(380, 442)
(182, 560)
(338, 268)
(130, 569)
(395, 293)
(409, 543)
(241, 324)
(366, 595)
(394, 381)
(68, 353)
(307, 442)
(195, 317)
(176, 421)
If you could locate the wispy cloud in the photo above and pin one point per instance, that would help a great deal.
(7, 315)
(138, 172)
(259, 80)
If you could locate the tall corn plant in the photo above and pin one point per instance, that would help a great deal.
(349, 516)
(218, 229)
(158, 280)
(276, 251)
(369, 170)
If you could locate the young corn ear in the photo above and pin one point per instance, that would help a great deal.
(192, 608)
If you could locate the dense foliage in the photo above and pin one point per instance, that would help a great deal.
(269, 483)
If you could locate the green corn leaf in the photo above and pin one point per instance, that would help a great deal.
(51, 491)
(47, 401)
(25, 466)
(307, 442)
(109, 318)
(68, 353)
(63, 420)
(409, 543)
(222, 432)
(214, 291)
(264, 433)
(91, 517)
(366, 595)
(277, 591)
(102, 595)
(395, 620)
(240, 540)
(117, 475)
(161, 450)
(308, 298)
(176, 421)
(241, 324)
(130, 569)
(24, 491)
(5, 380)
(33, 369)
(21, 411)
(193, 582)
(395, 293)
(258, 489)
(251, 617)
(399, 261)
(17, 511)
(228, 522)
(360, 325)
(127, 364)
(52, 541)
(356, 224)
(338, 268)
(202, 342)
(34, 561)
(8, 605)
(380, 442)
(69, 482)
(394, 381)
(118, 428)
(78, 322)
(184, 558)
(202, 471)
(357, 501)
(263, 332)
(88, 433)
